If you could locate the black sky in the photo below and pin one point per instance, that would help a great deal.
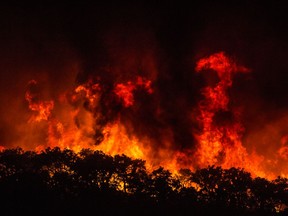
(253, 31)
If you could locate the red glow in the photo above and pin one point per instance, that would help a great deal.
(125, 91)
(94, 107)
(42, 108)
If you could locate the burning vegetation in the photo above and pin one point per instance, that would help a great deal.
(126, 118)
(164, 103)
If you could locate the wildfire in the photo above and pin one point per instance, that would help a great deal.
(92, 118)
(42, 108)
(125, 91)
(283, 151)
(78, 131)
(219, 144)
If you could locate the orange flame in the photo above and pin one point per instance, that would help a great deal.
(2, 148)
(216, 99)
(76, 135)
(218, 143)
(43, 109)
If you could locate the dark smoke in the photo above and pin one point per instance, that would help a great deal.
(66, 45)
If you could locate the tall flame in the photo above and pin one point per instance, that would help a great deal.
(220, 142)
(91, 117)
(217, 141)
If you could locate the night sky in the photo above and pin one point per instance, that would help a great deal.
(59, 44)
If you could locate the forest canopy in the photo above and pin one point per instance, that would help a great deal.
(62, 182)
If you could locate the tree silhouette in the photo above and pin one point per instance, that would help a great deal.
(162, 185)
(95, 169)
(280, 193)
(61, 182)
(130, 174)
